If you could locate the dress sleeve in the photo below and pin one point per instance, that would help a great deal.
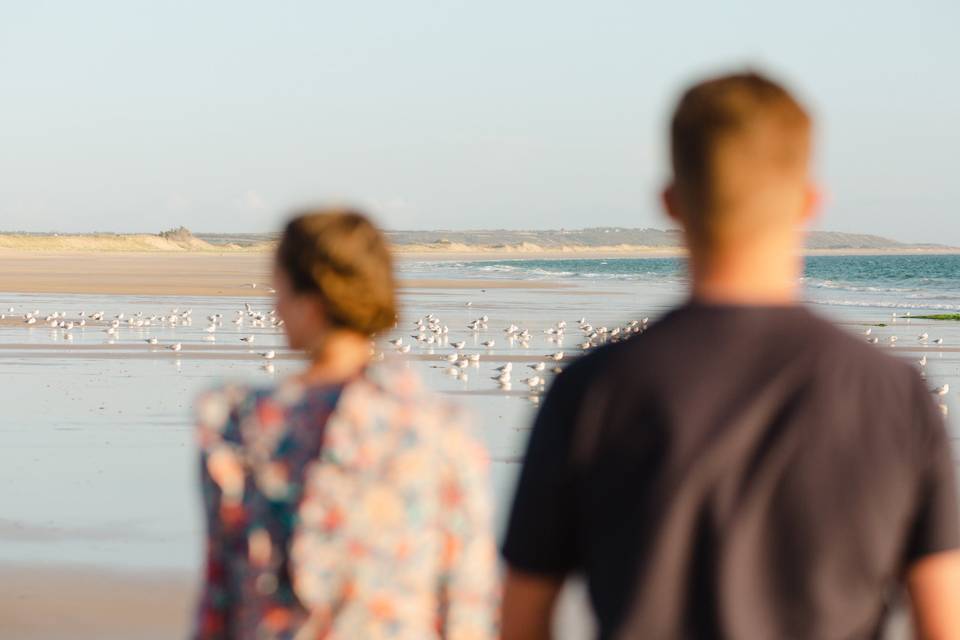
(541, 530)
(936, 526)
(470, 591)
(216, 420)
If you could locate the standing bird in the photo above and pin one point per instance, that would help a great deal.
(533, 381)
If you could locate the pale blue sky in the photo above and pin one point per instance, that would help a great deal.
(139, 116)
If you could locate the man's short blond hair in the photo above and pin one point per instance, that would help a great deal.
(738, 142)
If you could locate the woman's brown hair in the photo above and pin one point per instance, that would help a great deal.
(341, 256)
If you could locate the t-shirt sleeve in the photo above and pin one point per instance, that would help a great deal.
(936, 526)
(541, 531)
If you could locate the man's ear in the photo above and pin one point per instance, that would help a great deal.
(812, 202)
(671, 204)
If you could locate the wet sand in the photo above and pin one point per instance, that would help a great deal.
(105, 474)
(40, 603)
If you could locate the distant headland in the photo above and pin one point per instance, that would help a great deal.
(606, 241)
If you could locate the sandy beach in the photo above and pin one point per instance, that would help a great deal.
(137, 273)
(173, 274)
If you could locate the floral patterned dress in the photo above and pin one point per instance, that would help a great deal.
(360, 511)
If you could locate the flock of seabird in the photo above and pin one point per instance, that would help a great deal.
(430, 334)
(924, 339)
(65, 327)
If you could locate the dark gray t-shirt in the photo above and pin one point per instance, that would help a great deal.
(736, 472)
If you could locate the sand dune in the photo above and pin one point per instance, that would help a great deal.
(494, 243)
(600, 242)
(112, 243)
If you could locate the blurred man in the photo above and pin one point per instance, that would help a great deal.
(744, 469)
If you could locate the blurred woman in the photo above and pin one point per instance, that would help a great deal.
(346, 502)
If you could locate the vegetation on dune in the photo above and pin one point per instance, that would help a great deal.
(179, 234)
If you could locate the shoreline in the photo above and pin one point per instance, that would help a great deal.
(603, 253)
(248, 274)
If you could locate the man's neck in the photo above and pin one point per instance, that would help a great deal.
(750, 277)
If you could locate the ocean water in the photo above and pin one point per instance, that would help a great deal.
(907, 282)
